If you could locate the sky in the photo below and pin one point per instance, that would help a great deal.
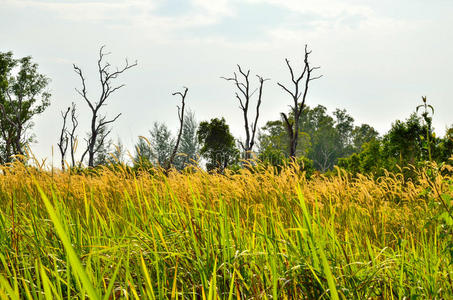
(377, 58)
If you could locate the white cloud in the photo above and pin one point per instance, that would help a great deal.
(140, 12)
(133, 15)
(91, 11)
(322, 8)
(215, 7)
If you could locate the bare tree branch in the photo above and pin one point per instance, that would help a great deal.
(244, 97)
(107, 89)
(299, 97)
(63, 143)
(182, 95)
(72, 137)
(82, 93)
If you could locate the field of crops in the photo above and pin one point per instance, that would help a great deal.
(253, 234)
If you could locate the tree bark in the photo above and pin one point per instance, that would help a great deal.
(181, 126)
(98, 122)
(244, 96)
(298, 97)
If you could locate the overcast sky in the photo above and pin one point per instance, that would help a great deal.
(377, 57)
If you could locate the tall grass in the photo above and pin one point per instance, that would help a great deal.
(254, 234)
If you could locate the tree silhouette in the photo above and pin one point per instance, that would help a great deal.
(99, 122)
(299, 96)
(183, 95)
(244, 96)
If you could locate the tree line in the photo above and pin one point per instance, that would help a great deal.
(307, 134)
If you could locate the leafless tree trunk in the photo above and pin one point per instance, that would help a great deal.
(183, 95)
(299, 95)
(64, 139)
(98, 122)
(68, 138)
(244, 96)
(324, 165)
(72, 136)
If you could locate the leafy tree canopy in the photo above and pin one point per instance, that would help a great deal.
(23, 95)
(217, 144)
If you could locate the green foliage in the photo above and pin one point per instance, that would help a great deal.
(156, 149)
(344, 125)
(444, 149)
(217, 144)
(162, 143)
(143, 153)
(273, 156)
(274, 137)
(103, 148)
(403, 142)
(117, 156)
(361, 135)
(189, 147)
(276, 158)
(23, 95)
(323, 139)
(369, 160)
(403, 145)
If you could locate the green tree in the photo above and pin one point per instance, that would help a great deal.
(162, 144)
(404, 144)
(323, 139)
(274, 136)
(23, 95)
(157, 148)
(369, 160)
(404, 141)
(189, 148)
(344, 124)
(118, 154)
(363, 134)
(326, 145)
(445, 148)
(217, 144)
(102, 147)
(143, 153)
(273, 143)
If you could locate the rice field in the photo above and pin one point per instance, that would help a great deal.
(251, 234)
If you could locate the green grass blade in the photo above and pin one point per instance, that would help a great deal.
(73, 258)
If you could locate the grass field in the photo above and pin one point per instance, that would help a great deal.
(247, 235)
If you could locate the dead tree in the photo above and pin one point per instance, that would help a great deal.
(68, 138)
(298, 95)
(244, 96)
(64, 139)
(98, 122)
(72, 136)
(183, 95)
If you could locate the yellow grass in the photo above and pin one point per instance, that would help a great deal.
(235, 236)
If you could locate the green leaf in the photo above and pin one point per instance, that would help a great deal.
(73, 258)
